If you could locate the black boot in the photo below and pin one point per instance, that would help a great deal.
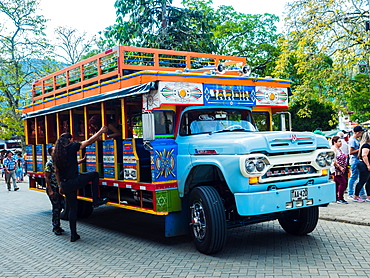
(58, 231)
(75, 237)
(99, 202)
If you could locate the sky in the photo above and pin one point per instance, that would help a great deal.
(92, 16)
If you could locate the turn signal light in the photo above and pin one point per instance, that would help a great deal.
(253, 180)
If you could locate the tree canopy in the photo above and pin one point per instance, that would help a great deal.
(359, 101)
(198, 27)
(323, 115)
(159, 24)
(22, 43)
(325, 41)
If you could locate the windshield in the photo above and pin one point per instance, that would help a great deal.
(216, 120)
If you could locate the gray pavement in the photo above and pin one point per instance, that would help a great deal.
(120, 243)
(353, 212)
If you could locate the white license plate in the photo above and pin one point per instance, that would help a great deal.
(299, 194)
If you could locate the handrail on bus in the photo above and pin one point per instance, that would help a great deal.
(111, 63)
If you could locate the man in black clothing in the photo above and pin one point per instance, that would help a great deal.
(70, 179)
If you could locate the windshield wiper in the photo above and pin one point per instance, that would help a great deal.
(229, 130)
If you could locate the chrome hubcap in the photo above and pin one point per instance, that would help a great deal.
(198, 221)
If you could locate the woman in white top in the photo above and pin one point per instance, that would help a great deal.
(340, 164)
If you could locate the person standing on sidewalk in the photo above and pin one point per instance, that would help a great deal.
(69, 178)
(340, 163)
(345, 149)
(19, 169)
(10, 167)
(363, 166)
(52, 190)
(354, 145)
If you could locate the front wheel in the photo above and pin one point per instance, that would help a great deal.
(300, 221)
(207, 219)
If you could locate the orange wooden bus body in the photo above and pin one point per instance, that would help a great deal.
(115, 70)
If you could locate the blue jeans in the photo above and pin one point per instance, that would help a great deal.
(352, 179)
(364, 178)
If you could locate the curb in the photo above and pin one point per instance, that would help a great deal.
(344, 221)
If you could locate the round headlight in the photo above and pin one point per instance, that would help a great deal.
(250, 166)
(321, 160)
(329, 159)
(260, 165)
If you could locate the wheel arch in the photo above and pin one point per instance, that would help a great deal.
(205, 174)
(210, 175)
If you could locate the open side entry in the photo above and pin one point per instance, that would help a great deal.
(282, 121)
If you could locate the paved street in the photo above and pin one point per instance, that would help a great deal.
(116, 243)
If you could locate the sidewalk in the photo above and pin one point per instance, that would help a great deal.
(354, 213)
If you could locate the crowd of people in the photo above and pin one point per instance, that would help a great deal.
(351, 167)
(12, 168)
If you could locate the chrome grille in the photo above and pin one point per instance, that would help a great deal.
(293, 170)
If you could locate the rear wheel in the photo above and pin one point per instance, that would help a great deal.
(207, 219)
(84, 209)
(300, 221)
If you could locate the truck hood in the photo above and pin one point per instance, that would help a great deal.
(241, 142)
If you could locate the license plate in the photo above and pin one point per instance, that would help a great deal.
(299, 194)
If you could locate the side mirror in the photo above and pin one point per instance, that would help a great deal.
(148, 127)
(282, 121)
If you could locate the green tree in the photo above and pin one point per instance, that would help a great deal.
(197, 27)
(159, 24)
(252, 36)
(322, 115)
(22, 43)
(359, 99)
(325, 41)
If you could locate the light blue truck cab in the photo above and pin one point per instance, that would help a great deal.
(235, 175)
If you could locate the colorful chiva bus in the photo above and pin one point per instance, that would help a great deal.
(190, 141)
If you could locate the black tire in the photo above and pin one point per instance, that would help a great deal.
(207, 219)
(300, 221)
(84, 209)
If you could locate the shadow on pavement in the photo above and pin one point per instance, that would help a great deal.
(136, 224)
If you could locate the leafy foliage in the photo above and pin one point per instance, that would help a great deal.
(326, 39)
(252, 36)
(322, 115)
(21, 42)
(158, 24)
(360, 96)
(197, 27)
